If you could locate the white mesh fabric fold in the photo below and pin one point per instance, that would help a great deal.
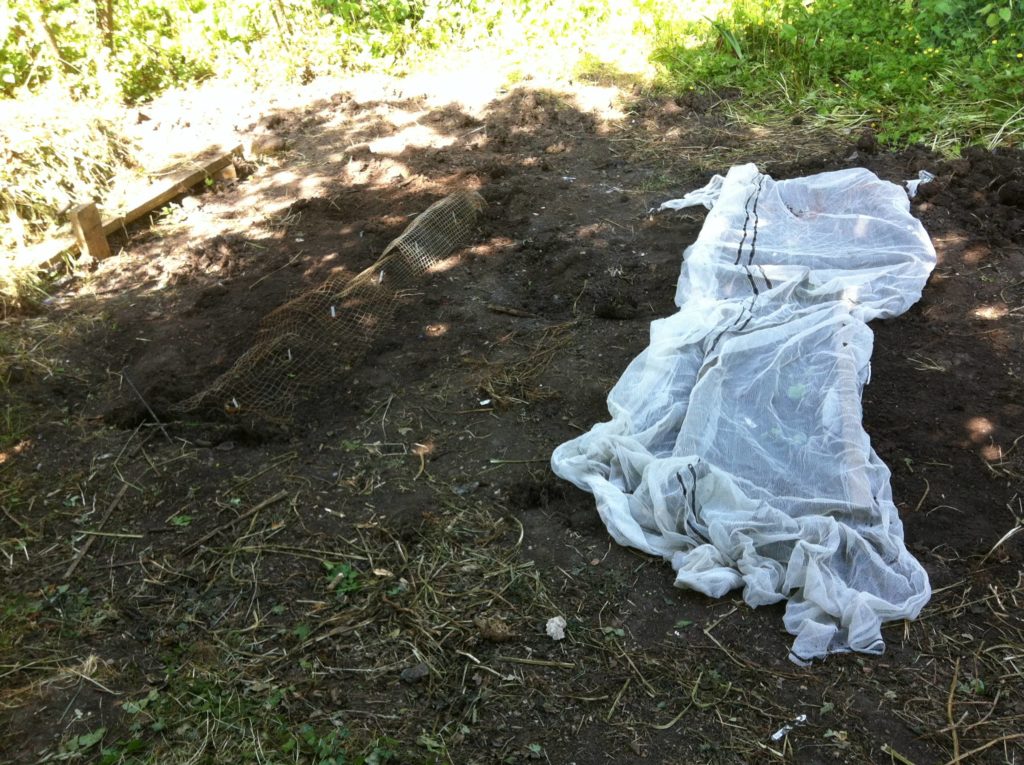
(735, 448)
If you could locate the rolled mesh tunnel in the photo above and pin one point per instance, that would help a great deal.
(327, 330)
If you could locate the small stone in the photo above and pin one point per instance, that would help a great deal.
(415, 673)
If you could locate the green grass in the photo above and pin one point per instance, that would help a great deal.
(938, 72)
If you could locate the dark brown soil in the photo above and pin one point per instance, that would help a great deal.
(538, 317)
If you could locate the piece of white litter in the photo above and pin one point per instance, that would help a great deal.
(334, 314)
(923, 176)
(785, 730)
(485, 402)
(556, 628)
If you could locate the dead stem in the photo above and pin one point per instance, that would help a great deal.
(88, 542)
(978, 750)
(949, 711)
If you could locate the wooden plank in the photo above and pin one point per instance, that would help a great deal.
(174, 185)
(50, 253)
(92, 240)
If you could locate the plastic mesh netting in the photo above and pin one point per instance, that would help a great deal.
(328, 329)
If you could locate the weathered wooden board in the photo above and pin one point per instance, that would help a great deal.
(89, 234)
(210, 162)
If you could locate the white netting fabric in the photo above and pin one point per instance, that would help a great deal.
(735, 448)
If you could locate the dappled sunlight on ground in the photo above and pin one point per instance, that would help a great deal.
(991, 312)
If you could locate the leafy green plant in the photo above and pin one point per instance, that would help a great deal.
(996, 14)
(342, 578)
(78, 744)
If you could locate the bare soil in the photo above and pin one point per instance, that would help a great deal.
(383, 563)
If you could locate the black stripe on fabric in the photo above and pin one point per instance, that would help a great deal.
(765, 277)
(693, 495)
(757, 220)
(679, 477)
(746, 222)
(688, 520)
(750, 278)
(715, 341)
(746, 311)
